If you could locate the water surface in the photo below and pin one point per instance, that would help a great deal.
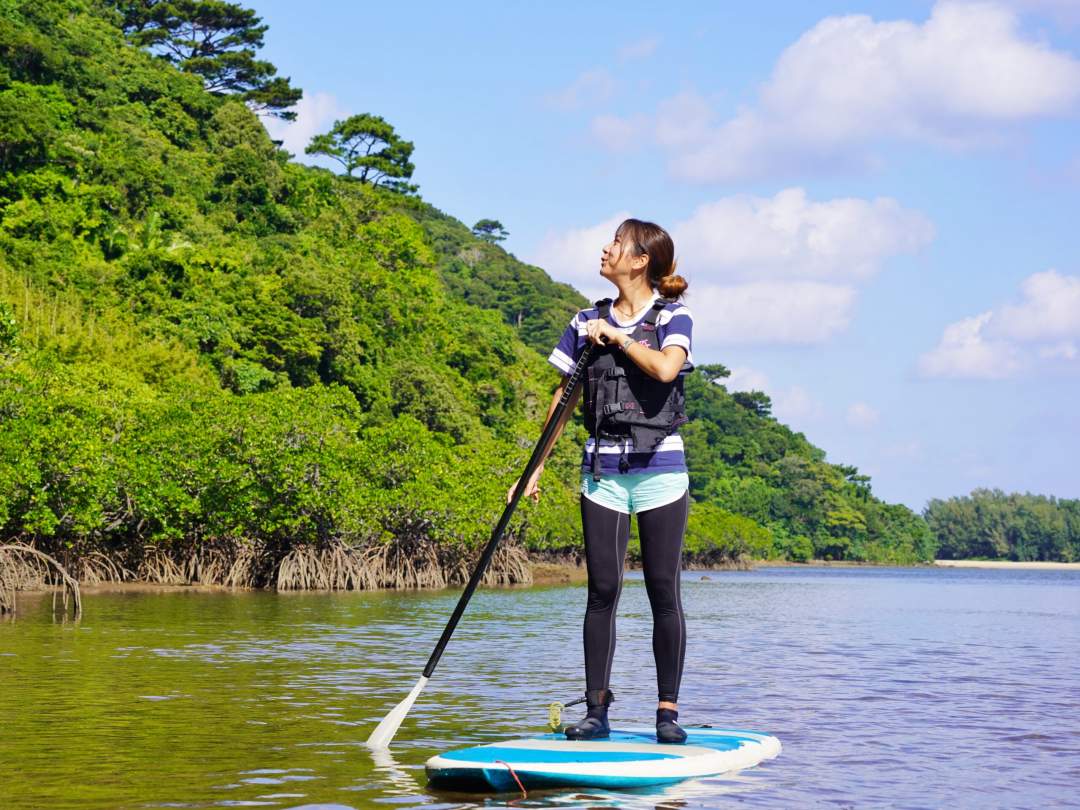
(887, 687)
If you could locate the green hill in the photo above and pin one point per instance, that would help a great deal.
(220, 365)
(759, 488)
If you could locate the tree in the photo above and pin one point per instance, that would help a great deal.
(9, 333)
(215, 40)
(714, 372)
(860, 483)
(490, 230)
(756, 402)
(33, 119)
(368, 143)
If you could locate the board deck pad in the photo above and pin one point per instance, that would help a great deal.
(630, 757)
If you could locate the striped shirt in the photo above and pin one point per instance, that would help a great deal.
(673, 328)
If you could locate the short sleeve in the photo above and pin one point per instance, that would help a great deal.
(567, 351)
(678, 329)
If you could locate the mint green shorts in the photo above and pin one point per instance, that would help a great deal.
(631, 493)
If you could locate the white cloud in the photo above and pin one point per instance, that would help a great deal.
(762, 270)
(640, 49)
(790, 236)
(315, 113)
(573, 256)
(961, 78)
(1050, 309)
(795, 406)
(1000, 343)
(964, 351)
(594, 86)
(1066, 350)
(745, 379)
(769, 312)
(862, 415)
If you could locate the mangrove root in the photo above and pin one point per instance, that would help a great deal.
(23, 566)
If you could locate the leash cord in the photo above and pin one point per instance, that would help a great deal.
(521, 787)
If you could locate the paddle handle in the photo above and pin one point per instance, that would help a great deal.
(534, 462)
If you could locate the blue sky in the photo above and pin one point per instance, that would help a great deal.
(873, 202)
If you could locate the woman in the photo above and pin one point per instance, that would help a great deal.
(633, 461)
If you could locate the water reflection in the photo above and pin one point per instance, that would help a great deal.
(695, 793)
(887, 687)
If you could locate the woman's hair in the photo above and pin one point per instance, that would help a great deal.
(648, 238)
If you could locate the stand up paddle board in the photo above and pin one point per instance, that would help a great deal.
(630, 757)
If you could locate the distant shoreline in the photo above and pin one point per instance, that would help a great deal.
(1033, 566)
(566, 573)
(1000, 564)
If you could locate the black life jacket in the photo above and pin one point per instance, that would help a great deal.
(622, 401)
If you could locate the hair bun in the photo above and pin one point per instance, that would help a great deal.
(672, 286)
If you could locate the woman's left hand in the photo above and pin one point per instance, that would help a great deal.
(601, 332)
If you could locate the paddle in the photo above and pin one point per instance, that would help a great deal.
(385, 731)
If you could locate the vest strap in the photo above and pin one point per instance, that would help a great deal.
(657, 308)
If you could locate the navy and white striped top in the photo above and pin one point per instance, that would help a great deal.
(674, 326)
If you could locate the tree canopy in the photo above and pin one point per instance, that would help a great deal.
(992, 524)
(490, 230)
(214, 40)
(369, 144)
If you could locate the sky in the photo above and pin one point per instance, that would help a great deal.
(874, 203)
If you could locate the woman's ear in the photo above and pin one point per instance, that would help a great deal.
(640, 262)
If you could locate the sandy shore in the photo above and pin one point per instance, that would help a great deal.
(820, 563)
(546, 573)
(1034, 566)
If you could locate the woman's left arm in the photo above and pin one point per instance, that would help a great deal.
(660, 365)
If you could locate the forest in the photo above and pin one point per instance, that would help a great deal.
(220, 365)
(993, 525)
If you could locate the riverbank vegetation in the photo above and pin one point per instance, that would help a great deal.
(991, 524)
(219, 365)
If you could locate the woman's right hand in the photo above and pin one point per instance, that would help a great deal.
(532, 490)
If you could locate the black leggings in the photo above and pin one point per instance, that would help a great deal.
(607, 533)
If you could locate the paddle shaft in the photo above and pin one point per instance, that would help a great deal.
(500, 528)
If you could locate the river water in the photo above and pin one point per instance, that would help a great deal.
(888, 687)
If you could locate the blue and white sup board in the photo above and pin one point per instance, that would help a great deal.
(630, 757)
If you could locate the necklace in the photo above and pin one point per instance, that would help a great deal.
(632, 314)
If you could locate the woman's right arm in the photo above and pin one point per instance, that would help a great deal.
(531, 489)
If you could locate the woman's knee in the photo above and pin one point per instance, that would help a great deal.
(665, 601)
(603, 593)
(662, 582)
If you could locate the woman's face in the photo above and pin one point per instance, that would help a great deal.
(617, 259)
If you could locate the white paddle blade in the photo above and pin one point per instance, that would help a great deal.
(385, 731)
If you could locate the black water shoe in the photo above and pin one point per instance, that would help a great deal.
(667, 730)
(594, 726)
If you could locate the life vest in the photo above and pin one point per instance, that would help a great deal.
(623, 402)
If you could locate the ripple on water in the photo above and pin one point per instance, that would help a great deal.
(887, 688)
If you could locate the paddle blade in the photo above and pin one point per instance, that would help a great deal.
(385, 731)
